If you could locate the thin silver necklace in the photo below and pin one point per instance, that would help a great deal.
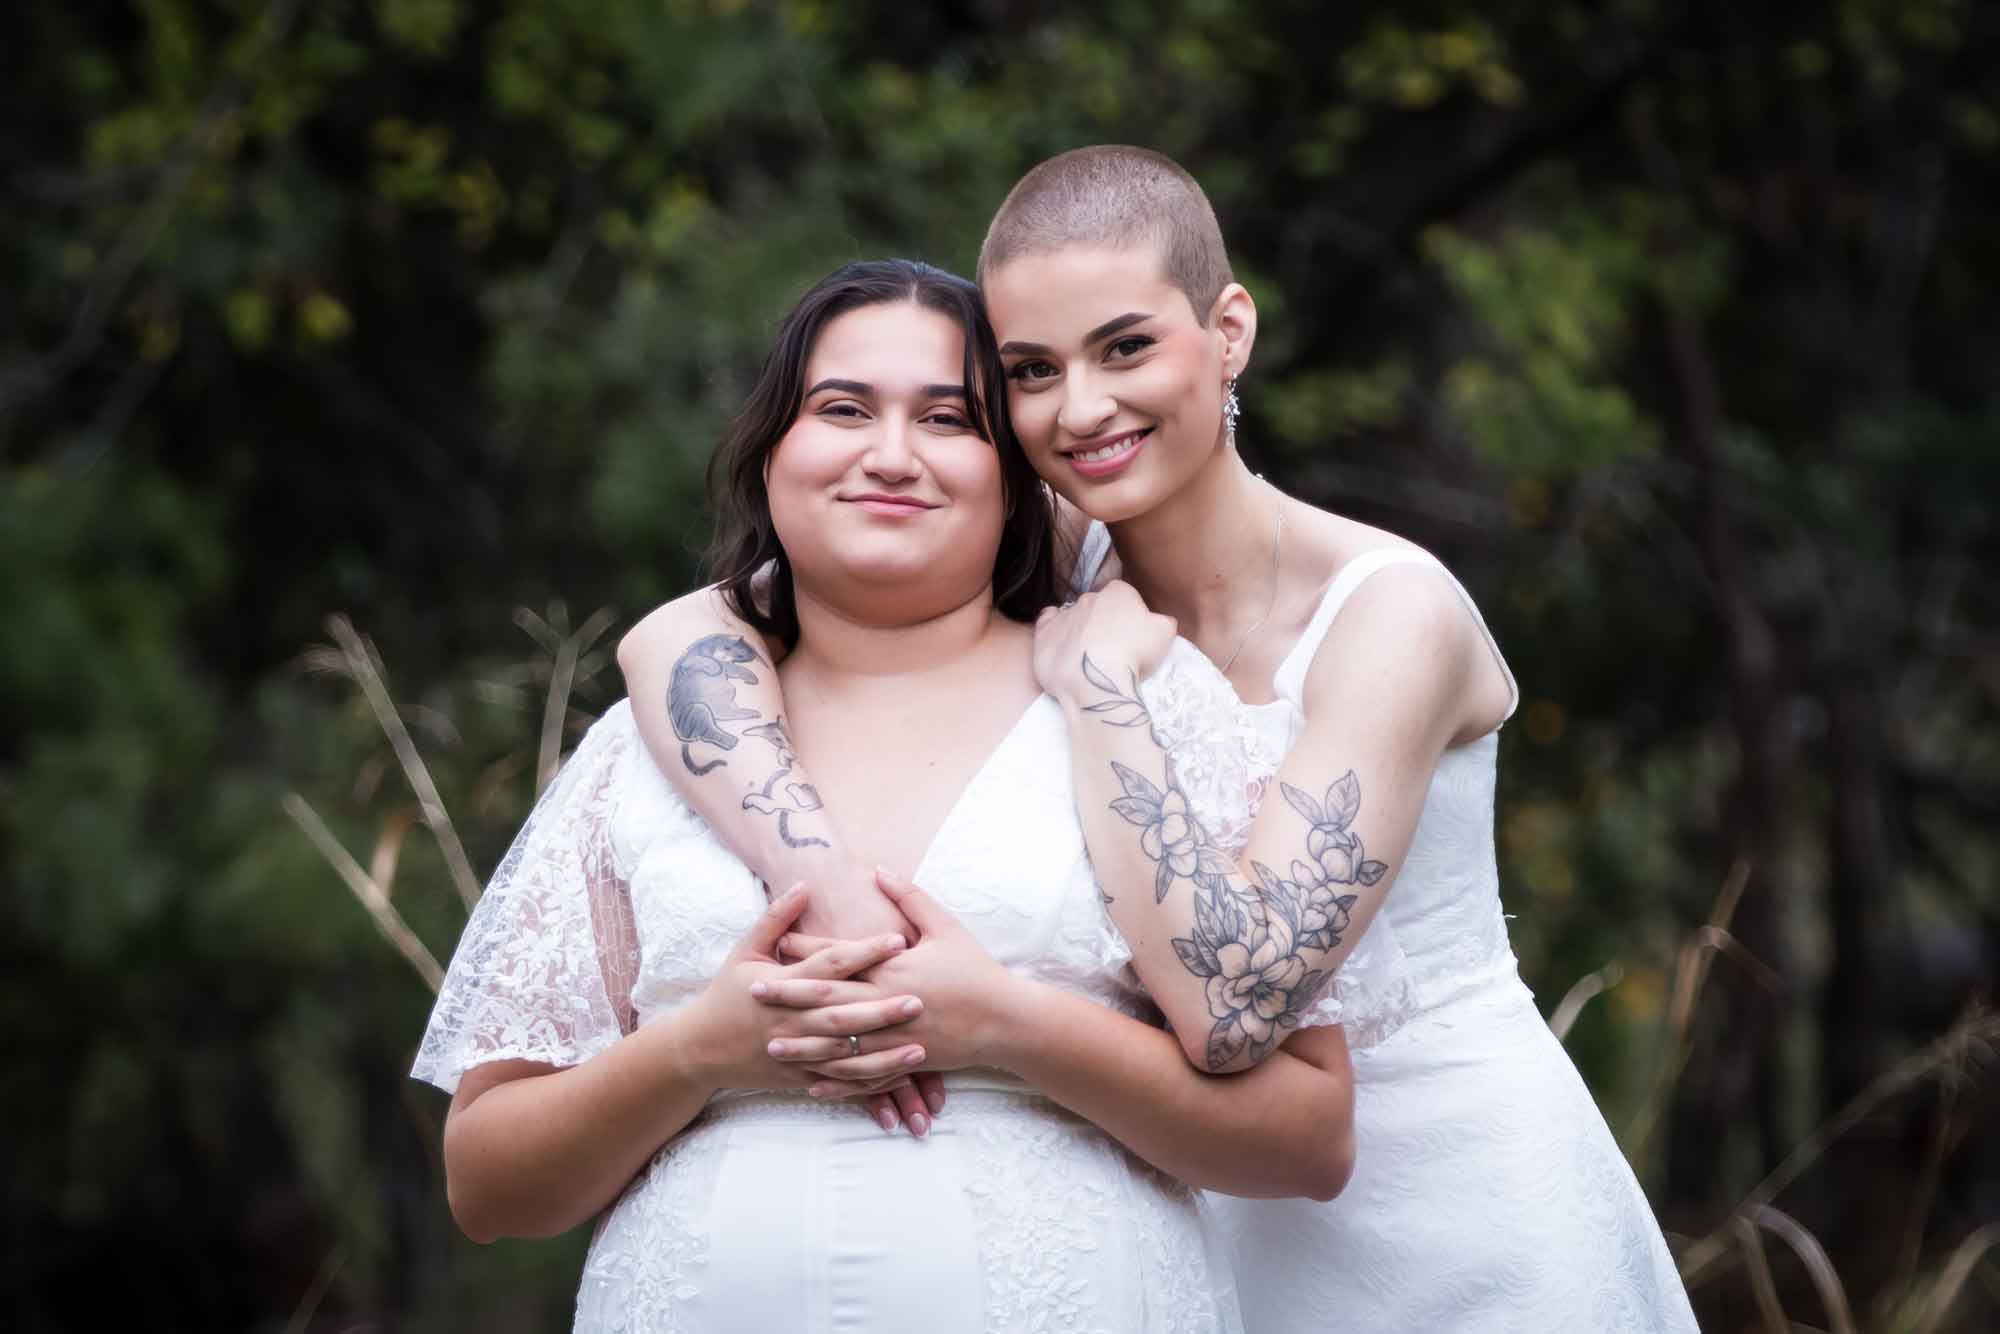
(1277, 545)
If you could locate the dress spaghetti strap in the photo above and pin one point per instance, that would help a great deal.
(1290, 680)
(1090, 554)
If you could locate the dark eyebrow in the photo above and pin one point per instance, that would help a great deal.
(856, 387)
(1109, 327)
(845, 387)
(1097, 335)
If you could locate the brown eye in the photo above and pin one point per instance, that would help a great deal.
(1031, 370)
(1130, 347)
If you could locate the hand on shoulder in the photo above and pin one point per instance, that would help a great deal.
(1112, 628)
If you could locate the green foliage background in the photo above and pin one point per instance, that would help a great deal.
(1669, 325)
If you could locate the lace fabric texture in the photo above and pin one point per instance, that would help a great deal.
(545, 968)
(616, 906)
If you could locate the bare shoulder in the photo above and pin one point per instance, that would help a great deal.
(1405, 636)
(1325, 541)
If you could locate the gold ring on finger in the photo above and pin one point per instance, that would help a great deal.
(853, 1045)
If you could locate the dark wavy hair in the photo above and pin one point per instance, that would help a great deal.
(1024, 570)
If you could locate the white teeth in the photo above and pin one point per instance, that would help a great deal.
(1111, 450)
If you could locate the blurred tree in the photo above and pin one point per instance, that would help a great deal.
(1666, 323)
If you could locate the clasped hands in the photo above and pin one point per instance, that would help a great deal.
(858, 1018)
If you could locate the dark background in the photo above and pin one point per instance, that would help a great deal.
(1668, 325)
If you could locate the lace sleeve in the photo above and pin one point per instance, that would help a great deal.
(1220, 760)
(1372, 993)
(544, 968)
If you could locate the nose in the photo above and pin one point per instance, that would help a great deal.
(891, 456)
(1085, 406)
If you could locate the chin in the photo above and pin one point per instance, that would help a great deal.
(1116, 501)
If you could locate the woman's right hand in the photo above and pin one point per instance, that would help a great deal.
(738, 1031)
(1124, 640)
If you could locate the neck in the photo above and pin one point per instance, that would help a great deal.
(838, 642)
(1203, 555)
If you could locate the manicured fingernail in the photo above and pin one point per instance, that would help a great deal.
(893, 942)
(817, 1090)
(919, 1125)
(914, 1056)
(912, 1006)
(759, 988)
(936, 1103)
(775, 1048)
(784, 944)
(886, 1119)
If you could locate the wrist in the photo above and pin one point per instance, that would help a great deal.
(1086, 686)
(693, 1050)
(821, 868)
(1010, 1024)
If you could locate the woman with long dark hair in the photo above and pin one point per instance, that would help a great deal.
(1314, 845)
(622, 1039)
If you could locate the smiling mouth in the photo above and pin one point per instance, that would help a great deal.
(1111, 452)
(881, 504)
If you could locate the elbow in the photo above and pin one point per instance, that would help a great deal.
(1202, 1057)
(1212, 1058)
(658, 627)
(1329, 1166)
(486, 1205)
(466, 1212)
(471, 1207)
(633, 643)
(485, 1220)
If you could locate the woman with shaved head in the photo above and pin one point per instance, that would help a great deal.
(1307, 846)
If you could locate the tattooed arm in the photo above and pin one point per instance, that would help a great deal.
(705, 696)
(1234, 949)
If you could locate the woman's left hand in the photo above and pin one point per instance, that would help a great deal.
(965, 994)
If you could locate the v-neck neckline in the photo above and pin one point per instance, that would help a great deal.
(972, 784)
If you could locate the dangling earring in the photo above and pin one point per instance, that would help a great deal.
(1232, 408)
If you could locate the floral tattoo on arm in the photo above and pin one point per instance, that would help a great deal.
(701, 698)
(1248, 941)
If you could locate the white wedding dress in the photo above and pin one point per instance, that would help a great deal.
(775, 1212)
(1488, 1193)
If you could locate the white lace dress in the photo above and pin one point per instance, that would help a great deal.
(1488, 1193)
(775, 1212)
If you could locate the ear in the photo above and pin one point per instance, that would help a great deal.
(1233, 318)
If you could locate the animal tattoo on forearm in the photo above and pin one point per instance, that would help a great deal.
(1249, 942)
(780, 796)
(701, 698)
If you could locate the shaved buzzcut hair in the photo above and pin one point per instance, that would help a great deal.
(1121, 198)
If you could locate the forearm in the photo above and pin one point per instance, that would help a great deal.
(536, 1156)
(711, 712)
(1282, 1129)
(1233, 951)
(1145, 849)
